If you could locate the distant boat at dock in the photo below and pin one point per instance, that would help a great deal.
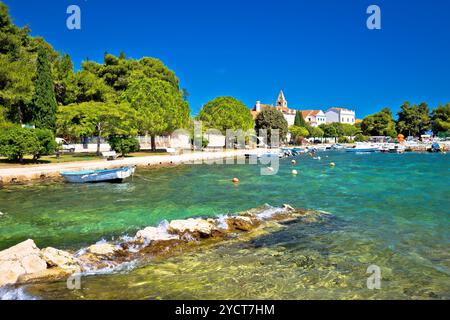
(92, 176)
(363, 147)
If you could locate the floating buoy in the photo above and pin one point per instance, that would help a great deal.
(294, 172)
(294, 162)
(270, 169)
(235, 180)
(332, 164)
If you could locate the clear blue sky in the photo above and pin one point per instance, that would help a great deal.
(318, 51)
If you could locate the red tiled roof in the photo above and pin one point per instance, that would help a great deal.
(313, 113)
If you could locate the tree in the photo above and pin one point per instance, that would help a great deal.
(298, 133)
(160, 107)
(124, 144)
(315, 132)
(84, 86)
(16, 142)
(47, 143)
(62, 74)
(225, 113)
(96, 119)
(440, 119)
(359, 137)
(349, 130)
(44, 101)
(299, 121)
(329, 131)
(270, 119)
(379, 124)
(413, 120)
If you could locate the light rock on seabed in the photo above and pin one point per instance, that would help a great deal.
(25, 263)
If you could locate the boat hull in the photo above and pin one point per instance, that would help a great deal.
(362, 150)
(96, 176)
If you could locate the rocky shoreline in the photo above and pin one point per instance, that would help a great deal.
(25, 263)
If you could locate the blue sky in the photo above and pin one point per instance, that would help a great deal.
(319, 52)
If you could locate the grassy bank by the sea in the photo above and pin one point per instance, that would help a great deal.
(19, 173)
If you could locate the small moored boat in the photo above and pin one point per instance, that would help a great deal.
(91, 176)
(363, 147)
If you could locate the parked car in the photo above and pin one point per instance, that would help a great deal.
(65, 146)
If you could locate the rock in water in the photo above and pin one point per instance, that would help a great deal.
(61, 259)
(53, 274)
(104, 249)
(197, 228)
(152, 234)
(243, 223)
(23, 258)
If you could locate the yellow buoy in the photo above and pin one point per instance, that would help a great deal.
(332, 164)
(294, 172)
(294, 162)
(235, 180)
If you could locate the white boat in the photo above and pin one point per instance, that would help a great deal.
(363, 147)
(337, 146)
(91, 176)
(397, 149)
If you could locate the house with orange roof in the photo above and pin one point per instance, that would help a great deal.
(281, 105)
(314, 117)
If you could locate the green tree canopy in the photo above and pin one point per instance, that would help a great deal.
(270, 119)
(379, 124)
(225, 113)
(440, 119)
(297, 131)
(18, 59)
(315, 132)
(160, 107)
(44, 101)
(96, 119)
(413, 120)
(329, 130)
(299, 121)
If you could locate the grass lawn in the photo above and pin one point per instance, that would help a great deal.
(70, 157)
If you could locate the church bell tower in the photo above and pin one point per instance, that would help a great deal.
(281, 101)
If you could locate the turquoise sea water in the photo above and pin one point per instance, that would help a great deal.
(386, 209)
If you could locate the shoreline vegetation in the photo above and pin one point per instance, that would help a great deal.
(25, 263)
(120, 98)
(46, 172)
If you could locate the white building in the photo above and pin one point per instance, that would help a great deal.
(314, 117)
(281, 105)
(340, 115)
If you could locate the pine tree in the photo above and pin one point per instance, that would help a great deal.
(299, 120)
(44, 101)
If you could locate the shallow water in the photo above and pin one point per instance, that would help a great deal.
(386, 209)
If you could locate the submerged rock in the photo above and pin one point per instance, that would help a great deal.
(196, 228)
(53, 274)
(25, 263)
(23, 258)
(243, 223)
